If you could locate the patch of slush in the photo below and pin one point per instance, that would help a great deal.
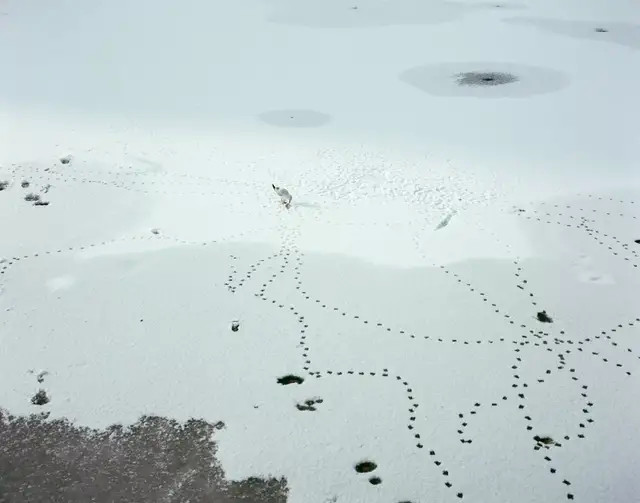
(444, 79)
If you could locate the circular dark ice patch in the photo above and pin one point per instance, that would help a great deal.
(295, 118)
(485, 78)
(365, 466)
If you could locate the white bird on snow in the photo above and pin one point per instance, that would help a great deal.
(285, 197)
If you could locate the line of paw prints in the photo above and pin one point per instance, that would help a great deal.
(584, 211)
(153, 236)
(248, 274)
(588, 405)
(232, 275)
(140, 187)
(561, 365)
(482, 295)
(630, 256)
(379, 324)
(412, 411)
(625, 250)
(544, 444)
(522, 283)
(67, 161)
(460, 281)
(548, 218)
(606, 335)
(263, 294)
(463, 416)
(612, 199)
(305, 353)
(6, 263)
(53, 177)
(520, 388)
(596, 235)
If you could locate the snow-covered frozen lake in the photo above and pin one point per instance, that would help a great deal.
(452, 294)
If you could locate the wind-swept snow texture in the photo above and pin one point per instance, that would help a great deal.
(448, 310)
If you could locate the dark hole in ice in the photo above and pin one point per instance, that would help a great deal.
(290, 379)
(365, 466)
(485, 78)
(40, 398)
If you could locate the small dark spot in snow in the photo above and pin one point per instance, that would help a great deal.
(40, 398)
(365, 466)
(543, 317)
(4, 184)
(375, 481)
(65, 159)
(637, 241)
(155, 231)
(235, 326)
(40, 376)
(601, 30)
(290, 379)
(32, 197)
(41, 203)
(24, 184)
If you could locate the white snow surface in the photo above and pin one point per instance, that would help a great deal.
(430, 223)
